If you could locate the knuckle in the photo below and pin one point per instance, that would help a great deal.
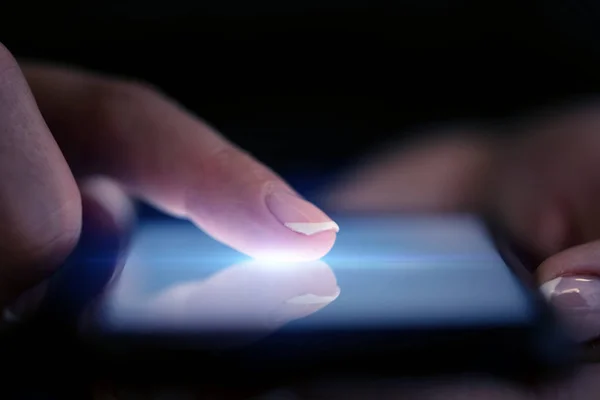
(215, 167)
(116, 111)
(124, 93)
(117, 103)
(222, 156)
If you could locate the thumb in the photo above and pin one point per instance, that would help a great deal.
(108, 217)
(571, 282)
(58, 303)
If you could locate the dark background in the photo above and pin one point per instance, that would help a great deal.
(308, 86)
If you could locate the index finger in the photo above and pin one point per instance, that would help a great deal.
(178, 163)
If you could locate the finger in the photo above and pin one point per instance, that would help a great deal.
(570, 280)
(108, 213)
(48, 336)
(108, 217)
(40, 207)
(178, 163)
(546, 188)
(445, 175)
(98, 257)
(520, 199)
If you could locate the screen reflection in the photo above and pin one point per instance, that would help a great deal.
(397, 272)
(251, 295)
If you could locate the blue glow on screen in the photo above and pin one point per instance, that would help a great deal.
(391, 272)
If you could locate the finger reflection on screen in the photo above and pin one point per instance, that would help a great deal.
(252, 295)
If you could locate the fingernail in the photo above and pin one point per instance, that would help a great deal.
(299, 215)
(577, 299)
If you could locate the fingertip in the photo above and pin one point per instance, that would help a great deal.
(266, 221)
(570, 281)
(316, 246)
(107, 205)
(323, 243)
(98, 257)
(578, 260)
(291, 246)
(308, 232)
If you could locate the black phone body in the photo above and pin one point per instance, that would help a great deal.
(398, 296)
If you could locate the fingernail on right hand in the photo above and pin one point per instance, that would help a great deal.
(577, 299)
(299, 215)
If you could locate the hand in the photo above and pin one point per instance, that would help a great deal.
(542, 183)
(60, 126)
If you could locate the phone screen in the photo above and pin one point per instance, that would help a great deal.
(383, 273)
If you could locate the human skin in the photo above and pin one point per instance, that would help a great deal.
(542, 182)
(60, 127)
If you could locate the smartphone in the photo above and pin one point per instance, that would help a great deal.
(397, 296)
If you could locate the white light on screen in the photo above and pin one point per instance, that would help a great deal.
(276, 258)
